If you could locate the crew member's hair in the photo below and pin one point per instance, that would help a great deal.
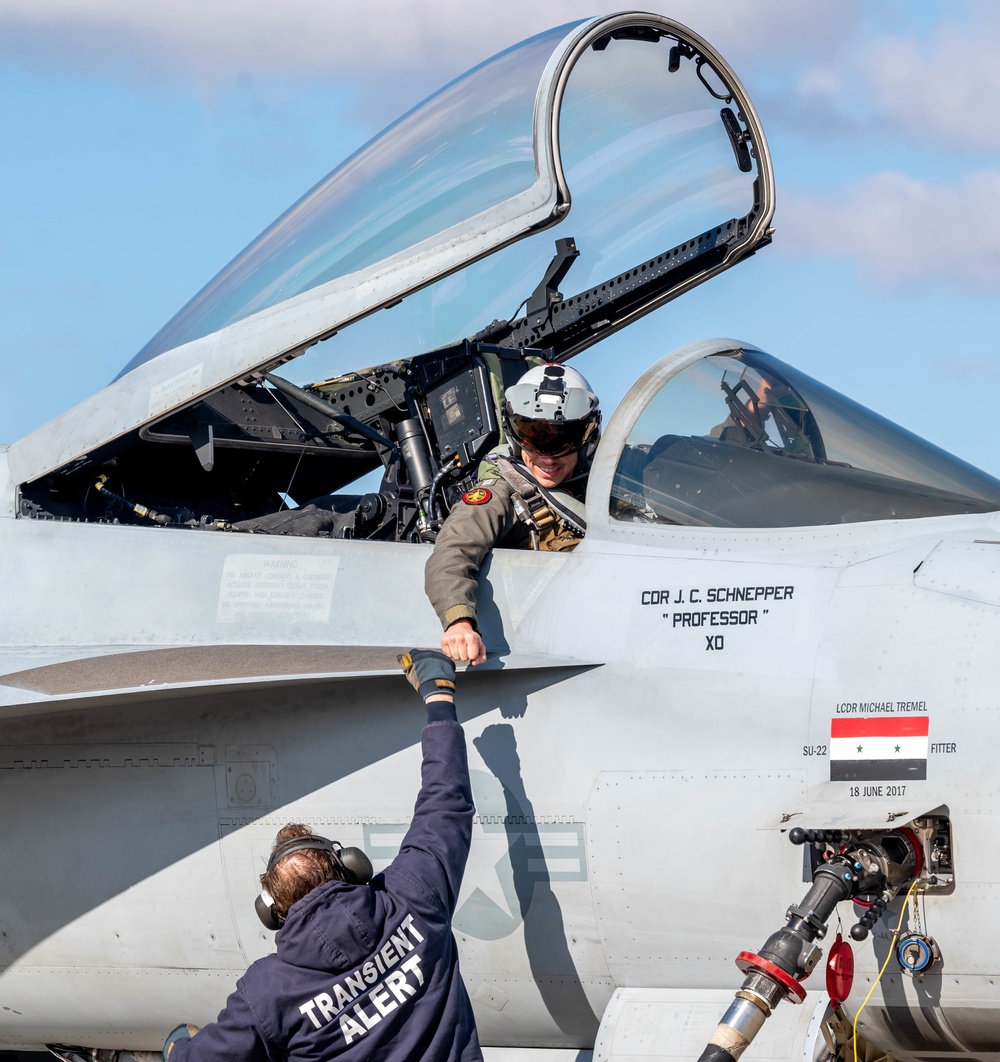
(298, 873)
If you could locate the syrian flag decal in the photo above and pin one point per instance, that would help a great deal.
(877, 748)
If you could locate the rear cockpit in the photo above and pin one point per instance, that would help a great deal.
(739, 439)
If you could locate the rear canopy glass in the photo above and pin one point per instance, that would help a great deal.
(743, 440)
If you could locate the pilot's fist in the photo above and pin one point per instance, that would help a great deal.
(461, 641)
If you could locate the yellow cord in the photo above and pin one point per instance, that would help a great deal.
(892, 946)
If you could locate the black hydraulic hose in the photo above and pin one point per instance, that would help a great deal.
(445, 468)
(714, 1053)
(140, 510)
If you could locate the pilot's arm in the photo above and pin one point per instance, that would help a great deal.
(482, 519)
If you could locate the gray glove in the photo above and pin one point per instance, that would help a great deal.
(429, 671)
(181, 1032)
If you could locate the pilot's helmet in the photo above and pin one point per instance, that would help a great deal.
(552, 410)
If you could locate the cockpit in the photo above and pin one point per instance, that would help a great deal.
(740, 439)
(372, 327)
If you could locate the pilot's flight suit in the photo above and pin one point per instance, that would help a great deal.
(368, 971)
(486, 517)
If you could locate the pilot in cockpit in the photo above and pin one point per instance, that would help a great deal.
(532, 498)
(764, 414)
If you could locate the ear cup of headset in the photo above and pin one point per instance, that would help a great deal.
(266, 913)
(357, 865)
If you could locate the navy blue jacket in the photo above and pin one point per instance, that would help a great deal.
(368, 971)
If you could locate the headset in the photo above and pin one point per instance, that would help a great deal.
(355, 866)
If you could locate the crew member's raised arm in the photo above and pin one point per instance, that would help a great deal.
(441, 828)
(366, 965)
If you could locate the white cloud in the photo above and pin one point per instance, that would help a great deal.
(945, 90)
(934, 85)
(965, 369)
(379, 39)
(831, 65)
(386, 54)
(928, 73)
(899, 230)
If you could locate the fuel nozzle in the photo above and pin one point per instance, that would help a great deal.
(877, 865)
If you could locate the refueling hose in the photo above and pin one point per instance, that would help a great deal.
(861, 866)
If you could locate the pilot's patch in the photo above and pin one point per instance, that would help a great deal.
(477, 496)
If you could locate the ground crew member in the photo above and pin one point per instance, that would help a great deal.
(364, 969)
(534, 498)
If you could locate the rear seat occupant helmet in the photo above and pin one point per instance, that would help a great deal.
(552, 410)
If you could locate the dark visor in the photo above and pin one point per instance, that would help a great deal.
(550, 438)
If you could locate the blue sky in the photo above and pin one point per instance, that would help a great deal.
(145, 145)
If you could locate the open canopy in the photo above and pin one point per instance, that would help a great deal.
(629, 125)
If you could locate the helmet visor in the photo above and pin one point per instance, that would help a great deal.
(551, 438)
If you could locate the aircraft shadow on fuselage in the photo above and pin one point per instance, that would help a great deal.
(552, 965)
(104, 810)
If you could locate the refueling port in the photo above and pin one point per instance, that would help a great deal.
(916, 953)
(869, 867)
